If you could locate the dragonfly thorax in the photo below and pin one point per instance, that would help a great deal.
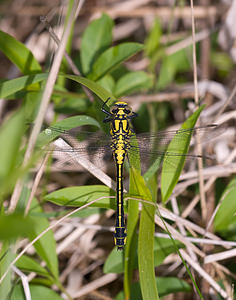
(120, 116)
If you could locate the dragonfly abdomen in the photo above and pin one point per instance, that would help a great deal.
(120, 230)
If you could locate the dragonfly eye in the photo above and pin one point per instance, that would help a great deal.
(127, 110)
(114, 110)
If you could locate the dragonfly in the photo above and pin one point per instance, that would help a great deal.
(121, 144)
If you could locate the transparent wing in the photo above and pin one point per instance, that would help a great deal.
(78, 145)
(158, 142)
(95, 146)
(170, 147)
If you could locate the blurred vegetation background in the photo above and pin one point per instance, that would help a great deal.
(141, 52)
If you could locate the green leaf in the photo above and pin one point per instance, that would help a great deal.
(96, 39)
(146, 241)
(169, 285)
(177, 62)
(112, 57)
(130, 260)
(162, 248)
(10, 87)
(80, 195)
(37, 292)
(11, 133)
(133, 82)
(115, 262)
(225, 217)
(6, 258)
(89, 211)
(107, 82)
(15, 225)
(153, 169)
(43, 281)
(153, 40)
(27, 264)
(165, 286)
(72, 105)
(47, 135)
(93, 86)
(19, 55)
(173, 165)
(46, 245)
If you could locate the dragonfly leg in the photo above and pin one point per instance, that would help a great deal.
(103, 107)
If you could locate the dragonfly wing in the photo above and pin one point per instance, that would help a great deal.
(162, 138)
(73, 147)
(154, 148)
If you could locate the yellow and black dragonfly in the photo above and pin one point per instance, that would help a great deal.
(122, 143)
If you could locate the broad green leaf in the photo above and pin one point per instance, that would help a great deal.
(46, 245)
(225, 217)
(80, 195)
(89, 211)
(28, 264)
(12, 86)
(173, 164)
(10, 139)
(162, 248)
(172, 64)
(133, 82)
(169, 285)
(37, 292)
(107, 82)
(165, 286)
(72, 105)
(146, 241)
(93, 86)
(153, 40)
(15, 225)
(9, 87)
(112, 57)
(115, 262)
(49, 135)
(96, 39)
(18, 54)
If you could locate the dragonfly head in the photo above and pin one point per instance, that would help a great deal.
(121, 109)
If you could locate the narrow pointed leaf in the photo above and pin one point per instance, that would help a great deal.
(18, 54)
(225, 218)
(79, 195)
(146, 242)
(173, 164)
(93, 86)
(112, 57)
(12, 86)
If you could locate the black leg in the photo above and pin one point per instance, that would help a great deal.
(103, 107)
(134, 115)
